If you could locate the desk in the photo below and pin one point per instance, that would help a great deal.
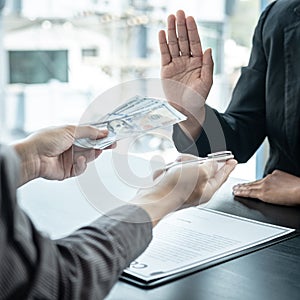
(269, 273)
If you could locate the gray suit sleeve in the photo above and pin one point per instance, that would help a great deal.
(84, 265)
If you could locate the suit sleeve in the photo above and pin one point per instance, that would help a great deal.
(84, 265)
(242, 128)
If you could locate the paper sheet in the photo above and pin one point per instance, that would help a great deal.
(196, 236)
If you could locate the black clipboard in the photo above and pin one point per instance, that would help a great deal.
(152, 283)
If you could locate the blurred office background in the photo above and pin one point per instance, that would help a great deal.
(56, 56)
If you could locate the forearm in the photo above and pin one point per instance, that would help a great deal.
(84, 265)
(97, 254)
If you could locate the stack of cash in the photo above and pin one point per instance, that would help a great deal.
(137, 116)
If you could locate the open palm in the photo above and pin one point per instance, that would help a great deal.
(185, 68)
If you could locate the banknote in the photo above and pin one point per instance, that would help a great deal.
(136, 116)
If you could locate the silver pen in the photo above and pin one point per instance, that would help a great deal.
(221, 156)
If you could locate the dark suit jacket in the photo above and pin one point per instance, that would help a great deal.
(266, 99)
(83, 265)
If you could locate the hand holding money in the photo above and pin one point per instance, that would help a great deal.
(138, 115)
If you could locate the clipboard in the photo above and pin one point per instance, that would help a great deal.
(274, 234)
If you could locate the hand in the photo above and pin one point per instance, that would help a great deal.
(184, 62)
(183, 186)
(277, 188)
(50, 153)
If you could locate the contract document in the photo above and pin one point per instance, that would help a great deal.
(196, 238)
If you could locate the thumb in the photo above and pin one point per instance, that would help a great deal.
(87, 131)
(207, 68)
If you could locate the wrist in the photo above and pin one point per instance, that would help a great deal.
(193, 125)
(297, 192)
(29, 160)
(157, 205)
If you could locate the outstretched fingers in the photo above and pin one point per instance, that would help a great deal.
(183, 40)
(164, 48)
(172, 37)
(250, 189)
(194, 38)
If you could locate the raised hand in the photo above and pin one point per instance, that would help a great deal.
(182, 58)
(186, 71)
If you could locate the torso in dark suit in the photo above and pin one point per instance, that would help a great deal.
(266, 100)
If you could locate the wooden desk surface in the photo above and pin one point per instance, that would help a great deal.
(269, 273)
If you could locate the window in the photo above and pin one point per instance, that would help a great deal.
(89, 52)
(38, 66)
